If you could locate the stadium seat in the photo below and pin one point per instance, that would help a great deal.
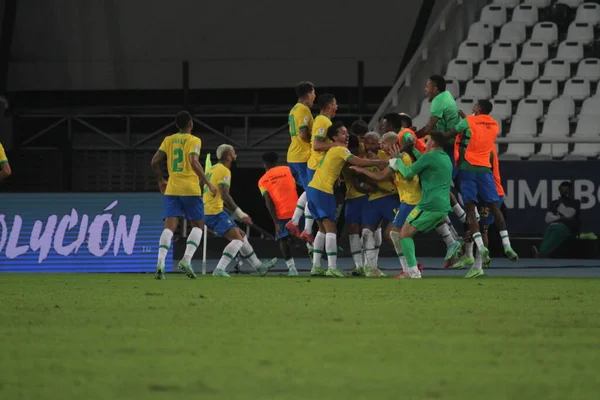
(425, 107)
(481, 33)
(570, 3)
(504, 51)
(588, 126)
(538, 3)
(555, 127)
(545, 89)
(581, 32)
(453, 87)
(506, 3)
(461, 70)
(545, 32)
(562, 106)
(535, 51)
(471, 51)
(531, 107)
(591, 106)
(493, 15)
(465, 104)
(514, 32)
(502, 109)
(570, 51)
(521, 126)
(492, 69)
(511, 89)
(479, 89)
(588, 12)
(559, 70)
(589, 69)
(525, 14)
(529, 71)
(577, 88)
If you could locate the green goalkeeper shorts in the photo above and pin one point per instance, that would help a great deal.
(424, 221)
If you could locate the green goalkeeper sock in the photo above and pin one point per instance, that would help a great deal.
(408, 248)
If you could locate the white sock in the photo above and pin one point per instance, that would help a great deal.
(318, 247)
(369, 246)
(248, 253)
(455, 234)
(478, 241)
(229, 253)
(395, 236)
(478, 263)
(331, 249)
(356, 250)
(164, 243)
(378, 237)
(505, 238)
(300, 207)
(308, 220)
(444, 231)
(469, 249)
(193, 242)
(290, 264)
(404, 264)
(460, 213)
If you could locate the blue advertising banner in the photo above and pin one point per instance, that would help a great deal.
(79, 232)
(531, 186)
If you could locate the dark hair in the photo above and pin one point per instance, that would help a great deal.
(304, 88)
(486, 106)
(353, 143)
(439, 82)
(566, 183)
(359, 127)
(333, 129)
(183, 119)
(325, 100)
(394, 120)
(406, 119)
(439, 138)
(270, 158)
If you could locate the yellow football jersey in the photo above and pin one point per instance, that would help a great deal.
(218, 175)
(319, 129)
(409, 190)
(183, 181)
(351, 192)
(3, 158)
(329, 169)
(300, 117)
(384, 188)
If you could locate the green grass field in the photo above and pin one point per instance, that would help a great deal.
(131, 337)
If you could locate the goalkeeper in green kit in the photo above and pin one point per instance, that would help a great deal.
(434, 169)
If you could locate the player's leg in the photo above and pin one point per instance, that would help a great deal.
(285, 247)
(309, 217)
(314, 200)
(326, 214)
(224, 226)
(194, 211)
(247, 251)
(501, 225)
(469, 193)
(299, 172)
(352, 215)
(396, 227)
(172, 211)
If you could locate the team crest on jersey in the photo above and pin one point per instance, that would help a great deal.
(347, 152)
(321, 131)
(226, 179)
(197, 149)
(305, 120)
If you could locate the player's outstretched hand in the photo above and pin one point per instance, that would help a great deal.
(212, 189)
(395, 151)
(247, 220)
(162, 186)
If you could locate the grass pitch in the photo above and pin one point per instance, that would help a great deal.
(131, 337)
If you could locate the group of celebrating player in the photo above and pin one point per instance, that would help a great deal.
(397, 185)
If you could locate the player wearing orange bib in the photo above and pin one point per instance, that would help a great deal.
(5, 171)
(182, 191)
(278, 188)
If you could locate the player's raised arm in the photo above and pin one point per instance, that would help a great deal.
(5, 170)
(197, 167)
(320, 144)
(157, 162)
(361, 162)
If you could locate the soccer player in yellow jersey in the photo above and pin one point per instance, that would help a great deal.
(319, 144)
(221, 223)
(360, 129)
(321, 199)
(182, 191)
(5, 170)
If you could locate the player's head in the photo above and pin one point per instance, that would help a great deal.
(436, 84)
(226, 153)
(565, 189)
(482, 107)
(388, 140)
(359, 128)
(270, 160)
(390, 122)
(184, 121)
(328, 104)
(305, 91)
(338, 133)
(353, 143)
(437, 140)
(372, 141)
(405, 121)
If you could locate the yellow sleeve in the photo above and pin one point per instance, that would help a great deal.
(224, 178)
(164, 146)
(3, 159)
(302, 117)
(196, 146)
(319, 130)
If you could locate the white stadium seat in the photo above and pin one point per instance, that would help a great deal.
(580, 32)
(577, 88)
(588, 12)
(570, 51)
(538, 3)
(425, 107)
(570, 3)
(591, 106)
(525, 14)
(559, 70)
(522, 126)
(555, 126)
(511, 89)
(514, 32)
(465, 104)
(546, 32)
(461, 70)
(535, 51)
(562, 106)
(493, 15)
(588, 126)
(481, 33)
(479, 89)
(471, 51)
(531, 107)
(545, 89)
(589, 69)
(529, 71)
(506, 3)
(502, 109)
(492, 69)
(453, 87)
(504, 51)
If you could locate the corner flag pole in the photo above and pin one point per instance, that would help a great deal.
(207, 166)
